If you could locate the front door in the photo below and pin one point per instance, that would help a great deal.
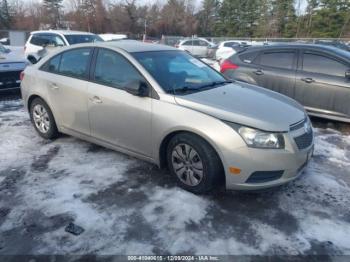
(116, 116)
(321, 85)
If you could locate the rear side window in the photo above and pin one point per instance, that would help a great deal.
(40, 40)
(278, 59)
(75, 62)
(248, 57)
(187, 42)
(317, 63)
(43, 40)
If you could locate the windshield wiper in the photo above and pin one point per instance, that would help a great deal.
(185, 89)
(201, 87)
(216, 83)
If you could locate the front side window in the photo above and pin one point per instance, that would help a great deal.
(75, 62)
(202, 43)
(52, 65)
(316, 63)
(114, 70)
(177, 71)
(282, 60)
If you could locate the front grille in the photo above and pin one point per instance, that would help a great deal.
(9, 79)
(297, 125)
(264, 176)
(304, 141)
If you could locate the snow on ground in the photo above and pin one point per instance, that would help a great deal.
(127, 206)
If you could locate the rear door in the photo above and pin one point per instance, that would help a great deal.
(276, 70)
(65, 77)
(321, 85)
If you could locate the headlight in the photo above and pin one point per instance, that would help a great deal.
(261, 139)
(257, 138)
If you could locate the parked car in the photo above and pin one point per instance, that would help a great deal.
(229, 48)
(5, 41)
(316, 76)
(11, 65)
(162, 105)
(196, 46)
(55, 38)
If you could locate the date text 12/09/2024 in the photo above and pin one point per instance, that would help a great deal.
(173, 258)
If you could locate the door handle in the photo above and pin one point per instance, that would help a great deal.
(308, 80)
(95, 100)
(259, 72)
(54, 86)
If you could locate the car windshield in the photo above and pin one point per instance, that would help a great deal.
(178, 72)
(79, 39)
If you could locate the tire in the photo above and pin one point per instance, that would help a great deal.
(48, 130)
(200, 157)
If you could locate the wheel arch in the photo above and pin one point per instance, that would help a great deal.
(164, 144)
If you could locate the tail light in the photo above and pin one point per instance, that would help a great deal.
(21, 75)
(226, 65)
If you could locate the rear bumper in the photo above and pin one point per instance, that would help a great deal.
(10, 80)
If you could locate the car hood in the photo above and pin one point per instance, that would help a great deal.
(247, 105)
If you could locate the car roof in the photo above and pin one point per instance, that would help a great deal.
(62, 32)
(300, 46)
(133, 46)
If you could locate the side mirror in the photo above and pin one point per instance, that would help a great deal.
(137, 88)
(347, 74)
(32, 59)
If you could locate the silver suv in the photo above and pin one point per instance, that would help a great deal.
(162, 105)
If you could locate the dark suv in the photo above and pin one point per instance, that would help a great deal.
(316, 76)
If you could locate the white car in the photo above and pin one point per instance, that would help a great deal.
(40, 39)
(11, 66)
(112, 37)
(229, 48)
(196, 46)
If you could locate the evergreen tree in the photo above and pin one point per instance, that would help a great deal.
(284, 18)
(53, 12)
(6, 16)
(207, 17)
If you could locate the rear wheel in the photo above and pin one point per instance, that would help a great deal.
(42, 119)
(194, 163)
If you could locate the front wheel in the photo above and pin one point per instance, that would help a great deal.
(194, 163)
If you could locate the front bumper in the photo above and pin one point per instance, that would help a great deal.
(289, 163)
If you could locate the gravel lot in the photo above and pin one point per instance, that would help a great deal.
(127, 206)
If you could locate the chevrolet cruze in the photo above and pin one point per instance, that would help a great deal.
(164, 106)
